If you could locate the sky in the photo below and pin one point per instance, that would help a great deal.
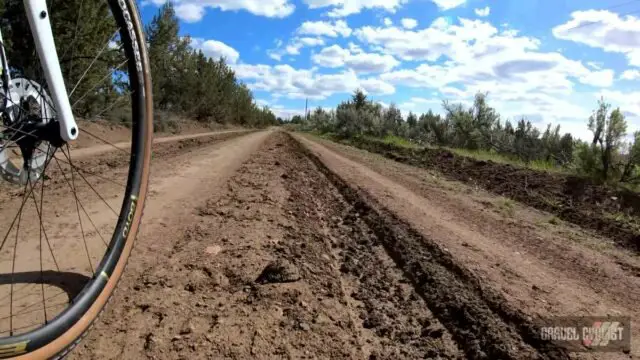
(547, 60)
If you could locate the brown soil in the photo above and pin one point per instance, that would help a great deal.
(263, 245)
(571, 198)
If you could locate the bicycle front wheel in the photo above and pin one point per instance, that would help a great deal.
(68, 226)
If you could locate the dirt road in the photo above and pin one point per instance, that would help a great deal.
(267, 246)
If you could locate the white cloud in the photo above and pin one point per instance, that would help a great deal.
(594, 65)
(605, 30)
(262, 102)
(354, 58)
(216, 49)
(475, 51)
(308, 41)
(193, 10)
(189, 12)
(469, 56)
(419, 105)
(325, 28)
(286, 113)
(444, 39)
(483, 11)
(286, 81)
(448, 4)
(377, 86)
(409, 23)
(293, 47)
(630, 74)
(387, 22)
(341, 8)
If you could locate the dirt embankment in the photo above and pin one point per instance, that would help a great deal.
(613, 213)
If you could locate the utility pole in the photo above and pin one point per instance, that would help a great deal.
(306, 114)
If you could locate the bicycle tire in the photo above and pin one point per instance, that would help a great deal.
(57, 337)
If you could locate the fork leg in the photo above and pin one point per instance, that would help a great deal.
(38, 16)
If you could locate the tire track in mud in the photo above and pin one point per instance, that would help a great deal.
(388, 317)
(479, 318)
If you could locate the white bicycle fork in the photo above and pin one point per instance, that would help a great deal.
(38, 16)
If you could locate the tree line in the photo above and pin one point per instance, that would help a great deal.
(608, 157)
(186, 83)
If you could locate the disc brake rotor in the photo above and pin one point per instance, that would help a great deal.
(12, 161)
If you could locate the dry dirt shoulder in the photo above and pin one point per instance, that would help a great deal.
(541, 266)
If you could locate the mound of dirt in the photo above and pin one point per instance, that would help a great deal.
(572, 198)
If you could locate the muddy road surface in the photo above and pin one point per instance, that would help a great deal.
(268, 245)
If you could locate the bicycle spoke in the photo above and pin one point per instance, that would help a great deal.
(79, 169)
(86, 213)
(28, 308)
(92, 188)
(94, 61)
(109, 107)
(42, 230)
(75, 34)
(110, 74)
(13, 263)
(84, 239)
(24, 201)
(33, 324)
(105, 141)
(15, 141)
(44, 308)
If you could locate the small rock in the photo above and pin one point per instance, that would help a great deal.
(284, 176)
(213, 250)
(151, 342)
(279, 271)
(305, 327)
(176, 338)
(187, 329)
(465, 244)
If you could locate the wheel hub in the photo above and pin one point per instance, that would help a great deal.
(30, 127)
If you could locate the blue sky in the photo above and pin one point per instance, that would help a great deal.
(548, 60)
